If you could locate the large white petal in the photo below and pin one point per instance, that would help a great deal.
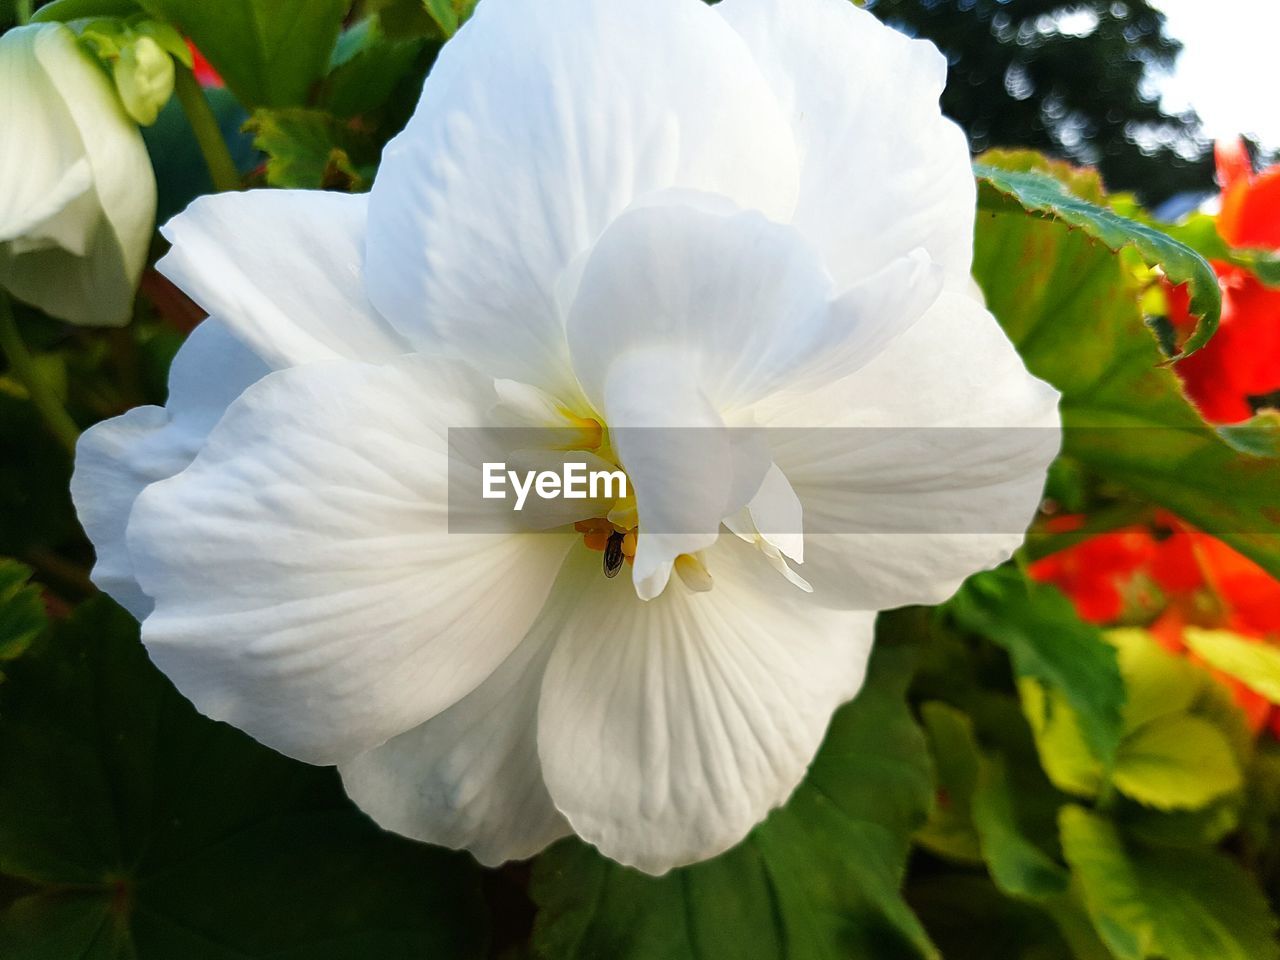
(283, 269)
(668, 729)
(922, 468)
(117, 458)
(470, 778)
(541, 122)
(307, 587)
(882, 171)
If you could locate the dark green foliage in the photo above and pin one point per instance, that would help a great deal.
(1017, 80)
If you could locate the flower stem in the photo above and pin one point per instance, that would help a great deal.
(23, 368)
(222, 169)
(23, 10)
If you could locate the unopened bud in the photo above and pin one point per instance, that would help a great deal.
(144, 77)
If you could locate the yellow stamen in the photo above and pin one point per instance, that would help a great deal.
(693, 572)
(591, 430)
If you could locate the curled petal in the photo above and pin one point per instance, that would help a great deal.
(746, 299)
(307, 587)
(282, 268)
(923, 467)
(118, 458)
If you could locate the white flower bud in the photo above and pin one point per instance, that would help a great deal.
(144, 78)
(77, 192)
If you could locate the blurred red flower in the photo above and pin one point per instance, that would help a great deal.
(206, 76)
(1238, 372)
(1167, 580)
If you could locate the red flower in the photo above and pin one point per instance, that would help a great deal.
(1238, 372)
(206, 76)
(1184, 578)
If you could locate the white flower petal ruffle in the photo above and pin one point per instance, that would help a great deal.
(116, 459)
(882, 171)
(745, 299)
(282, 268)
(307, 588)
(531, 137)
(922, 468)
(470, 778)
(668, 729)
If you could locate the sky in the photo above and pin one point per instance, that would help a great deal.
(1229, 65)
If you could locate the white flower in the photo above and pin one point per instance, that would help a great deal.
(603, 216)
(77, 193)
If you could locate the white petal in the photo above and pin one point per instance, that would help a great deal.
(746, 299)
(882, 171)
(541, 122)
(469, 778)
(307, 587)
(668, 729)
(778, 515)
(282, 268)
(687, 471)
(922, 468)
(77, 202)
(116, 459)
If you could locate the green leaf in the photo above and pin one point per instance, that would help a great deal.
(1019, 866)
(1071, 306)
(981, 809)
(1047, 641)
(1175, 904)
(1253, 662)
(63, 11)
(950, 831)
(404, 19)
(1065, 755)
(307, 150)
(148, 832)
(819, 878)
(970, 919)
(269, 52)
(444, 14)
(1200, 232)
(1159, 683)
(34, 480)
(1176, 763)
(1023, 178)
(367, 68)
(22, 616)
(1259, 436)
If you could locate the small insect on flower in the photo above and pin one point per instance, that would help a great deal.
(613, 555)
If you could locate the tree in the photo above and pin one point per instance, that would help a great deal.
(1070, 78)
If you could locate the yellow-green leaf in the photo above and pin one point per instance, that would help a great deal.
(1252, 662)
(1178, 762)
